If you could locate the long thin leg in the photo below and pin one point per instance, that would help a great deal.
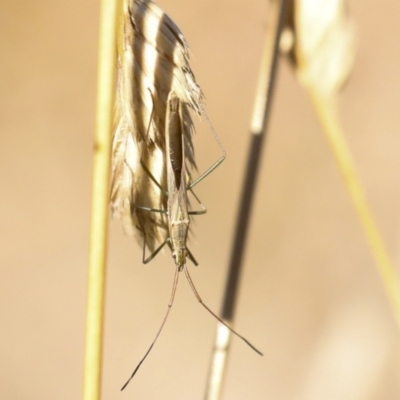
(152, 178)
(208, 172)
(215, 316)
(174, 286)
(219, 161)
(152, 209)
(155, 252)
(197, 212)
(191, 258)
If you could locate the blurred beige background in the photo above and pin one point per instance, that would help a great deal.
(310, 297)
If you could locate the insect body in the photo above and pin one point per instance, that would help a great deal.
(178, 185)
(153, 139)
(178, 215)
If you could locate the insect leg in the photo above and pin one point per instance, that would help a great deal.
(191, 258)
(151, 209)
(155, 252)
(197, 212)
(152, 178)
(208, 172)
(219, 161)
(150, 175)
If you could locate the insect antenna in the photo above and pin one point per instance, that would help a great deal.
(174, 285)
(215, 315)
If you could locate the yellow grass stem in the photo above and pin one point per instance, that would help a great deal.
(327, 112)
(100, 198)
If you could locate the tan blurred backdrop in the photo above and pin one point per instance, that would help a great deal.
(310, 297)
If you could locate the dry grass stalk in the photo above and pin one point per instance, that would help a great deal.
(99, 215)
(325, 50)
